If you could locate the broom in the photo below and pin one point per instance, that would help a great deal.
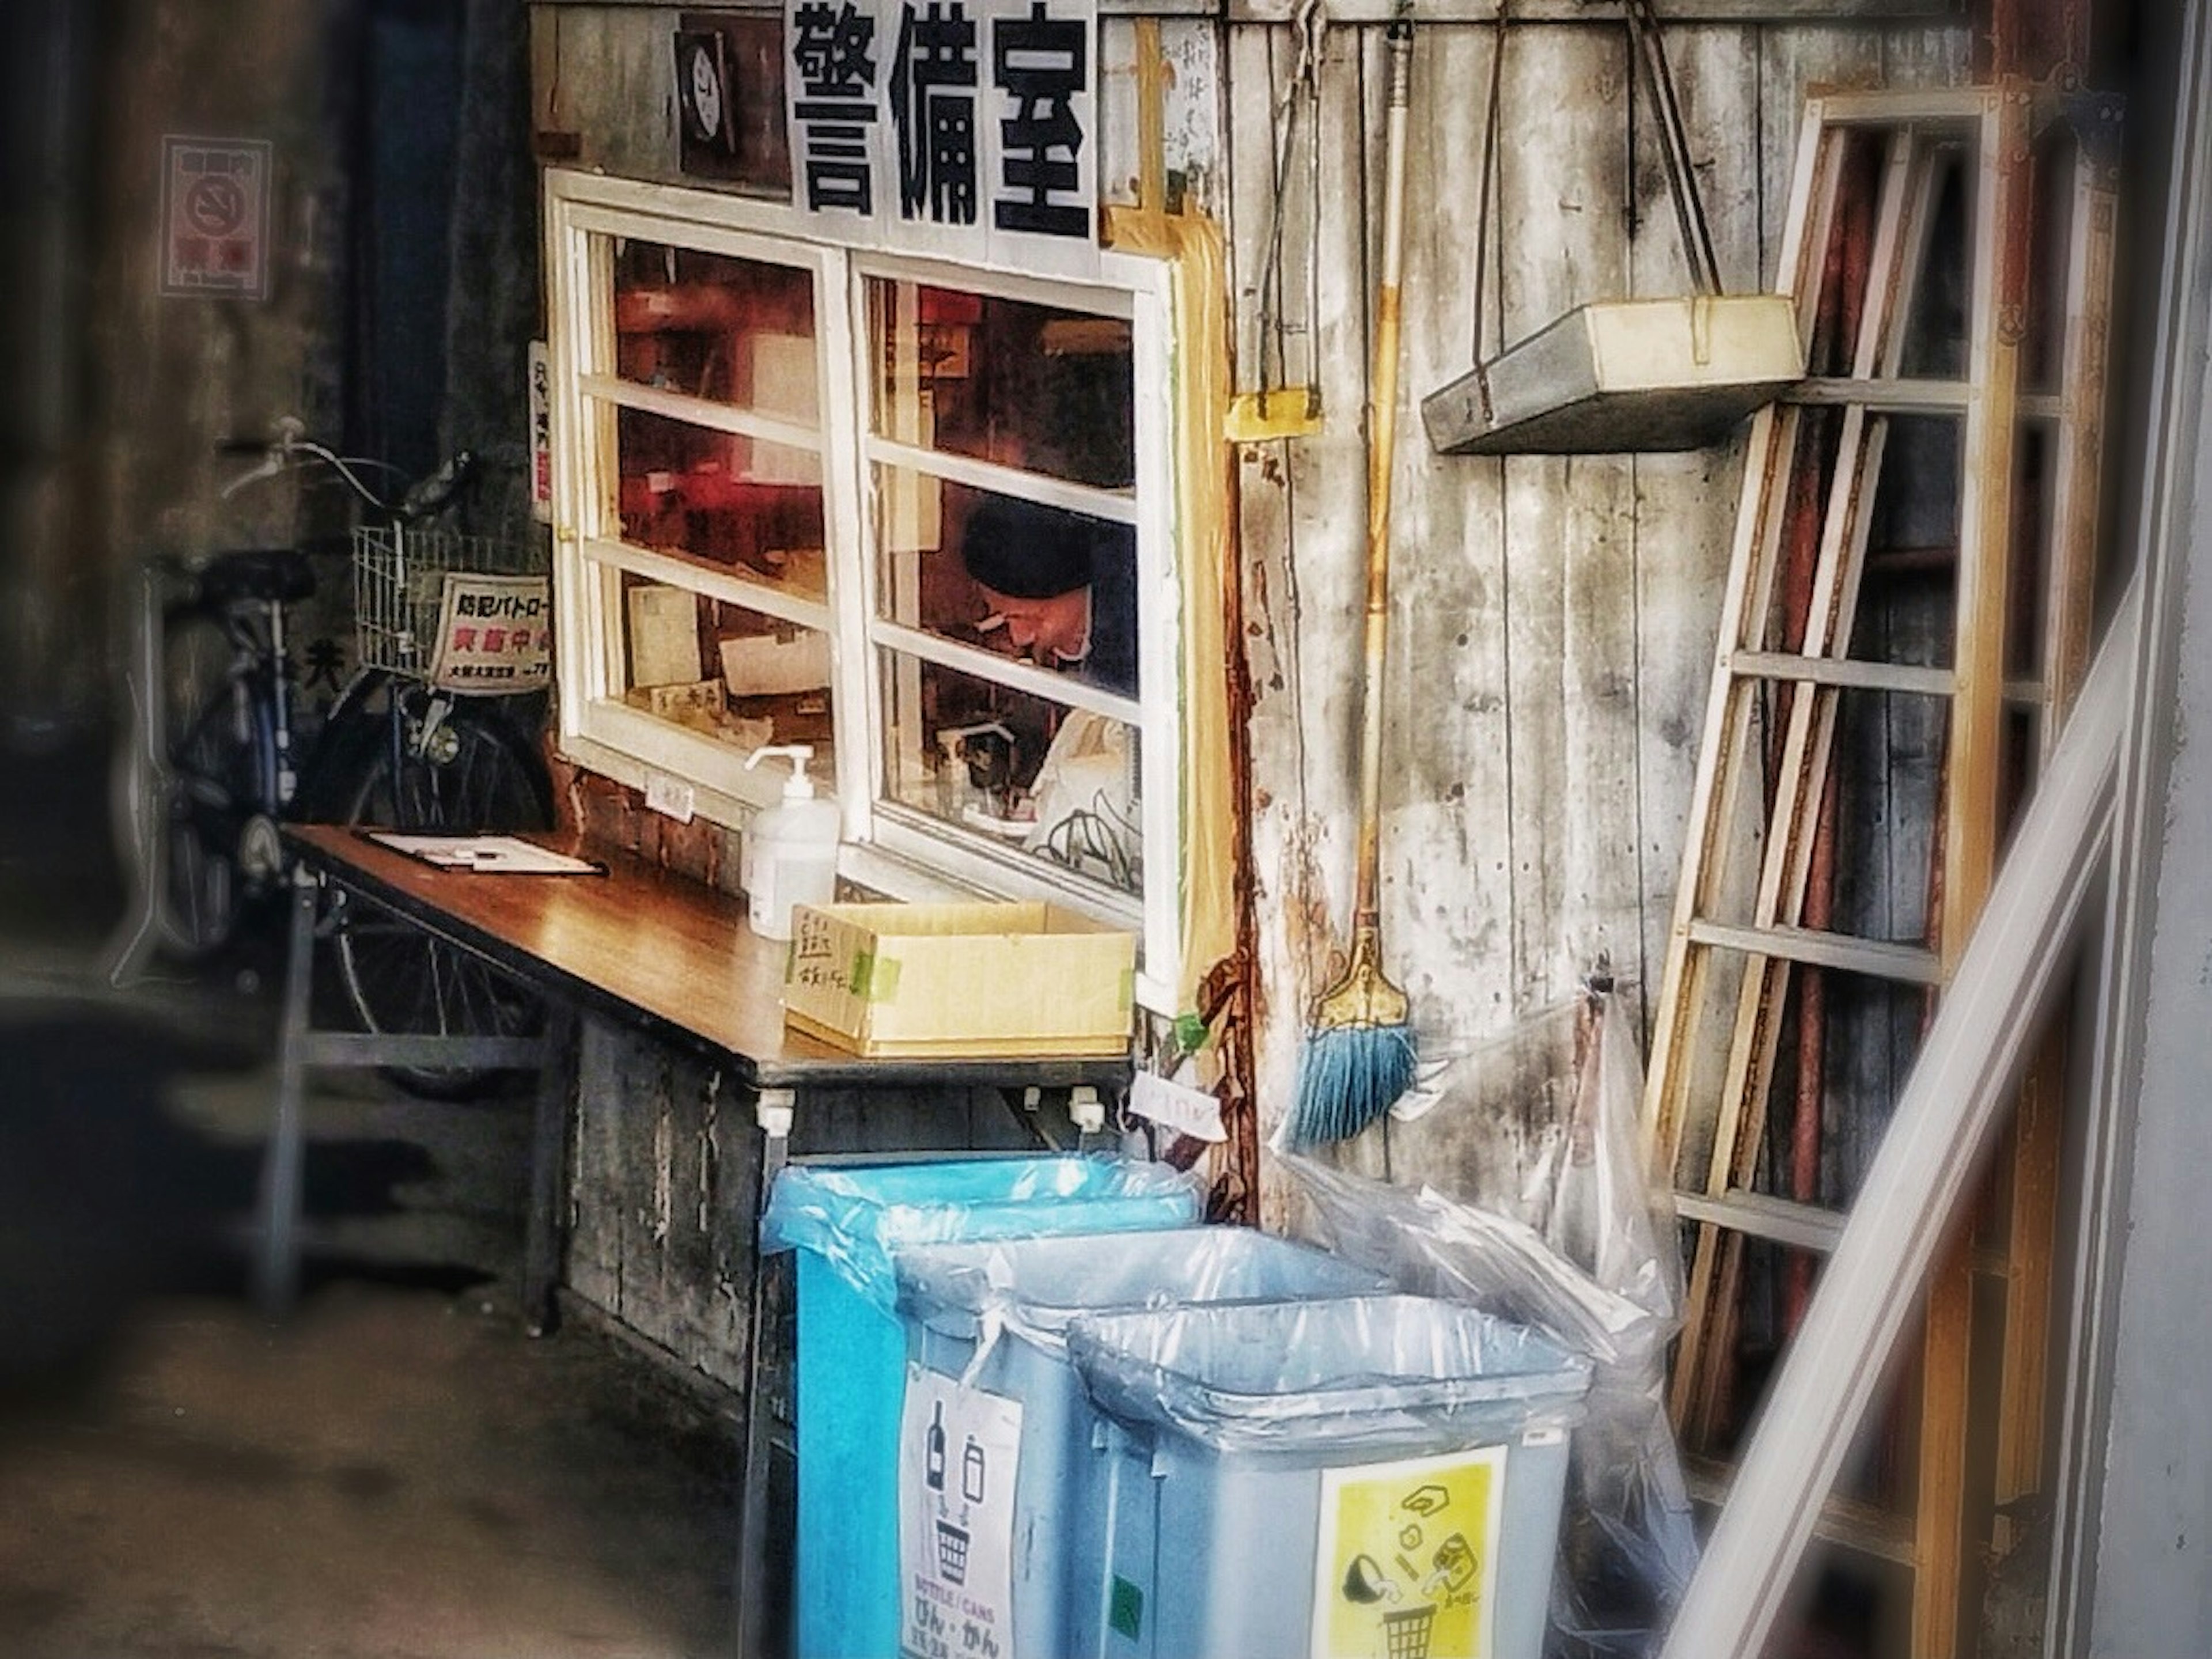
(1358, 1055)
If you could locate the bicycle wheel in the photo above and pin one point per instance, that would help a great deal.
(474, 773)
(215, 736)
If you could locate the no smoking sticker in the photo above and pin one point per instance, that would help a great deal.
(216, 207)
(215, 216)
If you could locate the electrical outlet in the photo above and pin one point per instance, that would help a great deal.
(669, 797)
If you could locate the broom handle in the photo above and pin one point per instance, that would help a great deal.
(1381, 432)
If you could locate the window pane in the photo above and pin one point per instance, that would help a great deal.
(1004, 380)
(720, 669)
(1055, 588)
(734, 331)
(747, 505)
(1028, 776)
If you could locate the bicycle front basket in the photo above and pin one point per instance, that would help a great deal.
(406, 582)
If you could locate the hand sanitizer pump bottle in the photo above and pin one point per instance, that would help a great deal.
(790, 849)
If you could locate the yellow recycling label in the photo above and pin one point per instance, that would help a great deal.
(1406, 1565)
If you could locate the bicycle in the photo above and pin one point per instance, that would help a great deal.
(212, 768)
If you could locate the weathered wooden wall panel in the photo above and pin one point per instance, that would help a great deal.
(664, 1160)
(1552, 618)
(663, 1168)
(1448, 867)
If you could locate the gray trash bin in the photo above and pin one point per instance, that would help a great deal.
(987, 1324)
(1366, 1478)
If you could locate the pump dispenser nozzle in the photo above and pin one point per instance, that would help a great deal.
(798, 786)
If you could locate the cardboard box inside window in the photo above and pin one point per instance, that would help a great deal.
(663, 636)
(958, 981)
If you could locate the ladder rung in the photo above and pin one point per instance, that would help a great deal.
(1905, 964)
(1795, 1226)
(1912, 397)
(1857, 1525)
(1843, 671)
(1762, 1215)
(1884, 396)
(1892, 107)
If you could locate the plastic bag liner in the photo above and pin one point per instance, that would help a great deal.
(1327, 1378)
(1039, 1287)
(1630, 1546)
(857, 1220)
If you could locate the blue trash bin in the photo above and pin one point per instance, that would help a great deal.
(988, 1323)
(1372, 1475)
(847, 1224)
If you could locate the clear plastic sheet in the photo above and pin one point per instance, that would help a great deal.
(1602, 1278)
(1590, 1192)
(1038, 1287)
(857, 1217)
(1399, 1373)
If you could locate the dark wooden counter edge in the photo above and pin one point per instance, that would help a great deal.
(328, 849)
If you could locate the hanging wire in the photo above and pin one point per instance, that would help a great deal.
(1301, 92)
(1491, 124)
(1674, 147)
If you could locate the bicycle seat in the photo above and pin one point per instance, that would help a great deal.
(268, 575)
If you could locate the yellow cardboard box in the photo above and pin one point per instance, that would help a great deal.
(956, 981)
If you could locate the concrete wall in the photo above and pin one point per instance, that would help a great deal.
(168, 378)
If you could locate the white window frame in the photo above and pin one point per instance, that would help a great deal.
(887, 847)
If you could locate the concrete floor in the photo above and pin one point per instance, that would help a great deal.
(395, 1474)
(396, 1471)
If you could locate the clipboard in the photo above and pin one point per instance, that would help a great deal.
(483, 855)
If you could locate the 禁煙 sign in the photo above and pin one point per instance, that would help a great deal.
(215, 216)
(962, 130)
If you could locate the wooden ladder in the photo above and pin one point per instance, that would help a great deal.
(1743, 937)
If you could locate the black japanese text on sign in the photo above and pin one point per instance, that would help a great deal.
(1041, 64)
(833, 55)
(933, 112)
(955, 128)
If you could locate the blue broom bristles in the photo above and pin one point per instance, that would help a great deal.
(1348, 1077)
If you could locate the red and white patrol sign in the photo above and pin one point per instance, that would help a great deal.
(215, 216)
(494, 633)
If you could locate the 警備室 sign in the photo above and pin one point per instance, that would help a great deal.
(958, 129)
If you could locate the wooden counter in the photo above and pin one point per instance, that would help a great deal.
(648, 948)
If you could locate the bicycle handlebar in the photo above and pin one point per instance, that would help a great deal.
(440, 487)
(291, 448)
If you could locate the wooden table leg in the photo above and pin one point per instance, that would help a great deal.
(277, 1279)
(548, 1153)
(772, 1110)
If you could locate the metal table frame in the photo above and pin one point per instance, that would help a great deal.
(777, 1084)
